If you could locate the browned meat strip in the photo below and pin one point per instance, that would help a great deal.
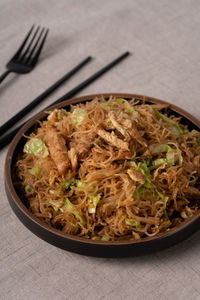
(133, 131)
(112, 139)
(57, 149)
(136, 176)
(117, 125)
(73, 158)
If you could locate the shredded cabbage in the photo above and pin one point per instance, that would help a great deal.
(80, 184)
(143, 167)
(120, 100)
(171, 158)
(56, 204)
(160, 161)
(174, 130)
(129, 110)
(78, 116)
(93, 205)
(105, 238)
(36, 147)
(73, 225)
(133, 222)
(180, 157)
(106, 106)
(170, 155)
(70, 207)
(67, 184)
(28, 189)
(156, 148)
(148, 184)
(163, 197)
(175, 126)
(35, 171)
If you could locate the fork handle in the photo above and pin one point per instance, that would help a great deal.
(4, 75)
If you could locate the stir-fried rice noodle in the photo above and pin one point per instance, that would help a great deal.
(111, 170)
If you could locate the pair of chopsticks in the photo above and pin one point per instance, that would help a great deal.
(6, 139)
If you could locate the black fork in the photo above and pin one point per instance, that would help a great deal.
(28, 53)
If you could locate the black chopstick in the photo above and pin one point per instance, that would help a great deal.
(7, 125)
(8, 137)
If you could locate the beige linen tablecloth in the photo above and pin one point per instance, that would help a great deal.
(163, 37)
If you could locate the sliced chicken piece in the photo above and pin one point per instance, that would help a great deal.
(133, 131)
(136, 176)
(117, 125)
(73, 158)
(112, 139)
(57, 149)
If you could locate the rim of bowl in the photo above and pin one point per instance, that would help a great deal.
(41, 115)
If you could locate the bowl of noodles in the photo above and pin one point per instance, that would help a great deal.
(107, 175)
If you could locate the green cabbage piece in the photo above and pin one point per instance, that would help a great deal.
(67, 184)
(36, 147)
(71, 208)
(129, 110)
(28, 189)
(156, 148)
(80, 184)
(148, 162)
(78, 116)
(175, 126)
(120, 100)
(107, 106)
(174, 130)
(180, 157)
(56, 204)
(92, 206)
(144, 168)
(105, 238)
(35, 171)
(149, 185)
(133, 223)
(163, 197)
(72, 224)
(170, 156)
(160, 161)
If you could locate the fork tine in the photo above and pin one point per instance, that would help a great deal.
(34, 47)
(29, 45)
(37, 54)
(23, 44)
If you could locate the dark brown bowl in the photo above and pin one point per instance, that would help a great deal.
(83, 245)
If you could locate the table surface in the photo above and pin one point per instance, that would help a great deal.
(163, 37)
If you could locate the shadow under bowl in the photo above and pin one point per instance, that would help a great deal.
(82, 245)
